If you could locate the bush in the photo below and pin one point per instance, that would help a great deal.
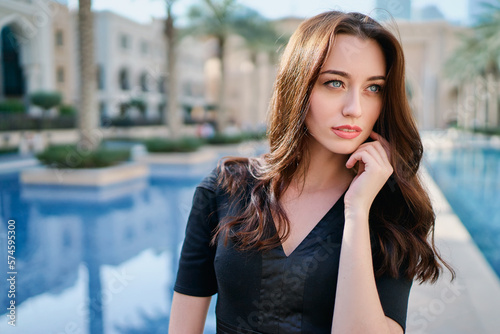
(186, 144)
(258, 135)
(66, 109)
(139, 104)
(224, 139)
(69, 156)
(12, 106)
(8, 150)
(488, 131)
(46, 100)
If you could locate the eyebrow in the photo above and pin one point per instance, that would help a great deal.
(347, 75)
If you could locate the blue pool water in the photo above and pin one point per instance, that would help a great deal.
(469, 177)
(94, 260)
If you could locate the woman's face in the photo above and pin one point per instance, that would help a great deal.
(346, 100)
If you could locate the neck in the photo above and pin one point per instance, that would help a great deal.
(324, 170)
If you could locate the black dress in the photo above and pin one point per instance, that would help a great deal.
(269, 292)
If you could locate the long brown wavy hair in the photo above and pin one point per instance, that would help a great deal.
(404, 229)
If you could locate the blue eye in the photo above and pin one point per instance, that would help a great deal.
(375, 88)
(334, 83)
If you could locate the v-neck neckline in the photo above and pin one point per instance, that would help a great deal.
(308, 235)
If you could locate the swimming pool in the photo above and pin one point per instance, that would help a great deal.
(94, 260)
(469, 177)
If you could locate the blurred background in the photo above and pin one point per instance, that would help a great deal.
(111, 112)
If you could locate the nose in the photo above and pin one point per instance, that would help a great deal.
(352, 105)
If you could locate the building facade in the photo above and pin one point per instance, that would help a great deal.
(26, 48)
(130, 60)
(64, 54)
(131, 65)
(41, 54)
(427, 46)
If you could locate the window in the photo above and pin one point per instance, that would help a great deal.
(60, 75)
(103, 110)
(161, 110)
(123, 78)
(144, 47)
(124, 41)
(187, 89)
(144, 82)
(161, 85)
(59, 38)
(100, 77)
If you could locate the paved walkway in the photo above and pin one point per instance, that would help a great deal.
(471, 303)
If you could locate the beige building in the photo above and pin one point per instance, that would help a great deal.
(26, 48)
(248, 87)
(64, 51)
(427, 46)
(130, 60)
(37, 49)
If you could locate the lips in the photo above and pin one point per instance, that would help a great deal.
(347, 131)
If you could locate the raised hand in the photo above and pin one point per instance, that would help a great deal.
(373, 171)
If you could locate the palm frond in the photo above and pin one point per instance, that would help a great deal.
(479, 51)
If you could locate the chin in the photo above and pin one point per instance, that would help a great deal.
(344, 148)
(340, 146)
(344, 151)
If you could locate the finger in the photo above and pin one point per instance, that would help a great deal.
(377, 152)
(383, 141)
(370, 160)
(382, 152)
(366, 156)
(376, 136)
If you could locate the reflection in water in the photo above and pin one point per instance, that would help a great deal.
(470, 180)
(94, 260)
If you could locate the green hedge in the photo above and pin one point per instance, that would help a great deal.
(12, 122)
(66, 109)
(224, 139)
(46, 99)
(191, 144)
(12, 106)
(69, 156)
(487, 131)
(8, 150)
(187, 144)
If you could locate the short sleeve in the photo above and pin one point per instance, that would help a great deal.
(394, 294)
(196, 275)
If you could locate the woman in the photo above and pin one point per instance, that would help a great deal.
(326, 232)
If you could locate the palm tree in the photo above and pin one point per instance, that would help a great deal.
(220, 19)
(89, 138)
(171, 114)
(477, 60)
(261, 40)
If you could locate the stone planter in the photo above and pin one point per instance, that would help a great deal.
(180, 165)
(94, 177)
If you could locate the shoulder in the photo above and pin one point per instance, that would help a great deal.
(210, 182)
(229, 174)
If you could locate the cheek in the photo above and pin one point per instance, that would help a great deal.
(373, 113)
(320, 108)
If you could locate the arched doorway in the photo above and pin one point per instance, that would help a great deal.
(12, 77)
